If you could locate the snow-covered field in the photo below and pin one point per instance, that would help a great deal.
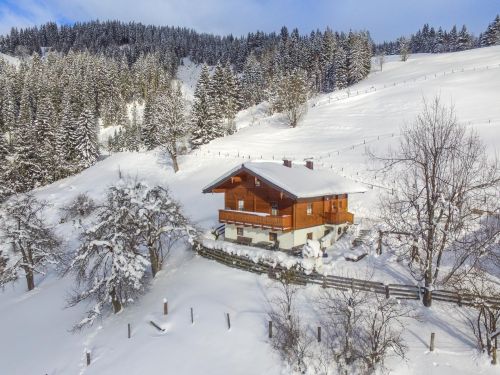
(337, 128)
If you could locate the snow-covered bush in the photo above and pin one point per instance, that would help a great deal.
(312, 249)
(80, 207)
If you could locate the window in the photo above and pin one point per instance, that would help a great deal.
(339, 231)
(241, 204)
(309, 208)
(274, 209)
(309, 236)
(239, 231)
(273, 237)
(257, 182)
(327, 231)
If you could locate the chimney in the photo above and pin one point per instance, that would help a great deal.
(287, 163)
(309, 164)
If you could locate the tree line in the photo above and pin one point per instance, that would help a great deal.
(431, 40)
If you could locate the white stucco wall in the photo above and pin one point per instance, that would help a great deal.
(286, 240)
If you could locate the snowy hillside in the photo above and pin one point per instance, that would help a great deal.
(11, 60)
(335, 132)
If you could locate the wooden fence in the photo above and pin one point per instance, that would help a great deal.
(399, 291)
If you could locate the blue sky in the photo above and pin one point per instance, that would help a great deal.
(385, 19)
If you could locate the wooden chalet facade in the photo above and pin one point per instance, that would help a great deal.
(282, 204)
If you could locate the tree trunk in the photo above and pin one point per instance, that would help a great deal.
(117, 306)
(427, 300)
(175, 164)
(30, 279)
(153, 258)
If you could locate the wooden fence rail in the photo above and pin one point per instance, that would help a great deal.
(399, 291)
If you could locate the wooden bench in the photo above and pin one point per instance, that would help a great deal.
(243, 240)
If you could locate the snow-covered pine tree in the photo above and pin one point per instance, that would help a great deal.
(149, 130)
(206, 125)
(31, 245)
(491, 36)
(46, 135)
(27, 173)
(109, 269)
(341, 69)
(232, 97)
(464, 41)
(252, 82)
(86, 142)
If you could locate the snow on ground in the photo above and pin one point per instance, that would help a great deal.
(34, 326)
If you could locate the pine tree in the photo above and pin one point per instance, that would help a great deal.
(87, 147)
(464, 41)
(206, 126)
(491, 36)
(46, 136)
(341, 69)
(252, 82)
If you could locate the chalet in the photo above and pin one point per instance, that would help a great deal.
(268, 203)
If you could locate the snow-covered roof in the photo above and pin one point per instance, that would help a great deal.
(297, 181)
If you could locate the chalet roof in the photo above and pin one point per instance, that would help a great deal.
(297, 182)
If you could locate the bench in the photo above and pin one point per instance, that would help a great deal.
(243, 240)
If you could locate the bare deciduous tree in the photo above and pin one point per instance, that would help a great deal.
(362, 328)
(289, 333)
(31, 245)
(444, 183)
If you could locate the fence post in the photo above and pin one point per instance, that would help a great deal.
(387, 292)
(88, 358)
(459, 300)
(431, 348)
(379, 244)
(319, 334)
(494, 353)
(228, 321)
(165, 306)
(129, 331)
(270, 329)
(192, 316)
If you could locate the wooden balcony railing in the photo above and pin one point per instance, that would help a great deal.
(339, 217)
(254, 219)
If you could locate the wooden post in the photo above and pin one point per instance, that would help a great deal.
(387, 292)
(165, 307)
(270, 329)
(192, 316)
(319, 334)
(379, 244)
(129, 331)
(431, 348)
(88, 358)
(228, 321)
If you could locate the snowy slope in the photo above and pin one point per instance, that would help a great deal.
(10, 59)
(34, 326)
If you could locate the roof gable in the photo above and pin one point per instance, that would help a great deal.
(297, 182)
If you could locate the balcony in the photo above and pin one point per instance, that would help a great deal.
(337, 218)
(256, 219)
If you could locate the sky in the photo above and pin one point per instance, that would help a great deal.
(385, 19)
